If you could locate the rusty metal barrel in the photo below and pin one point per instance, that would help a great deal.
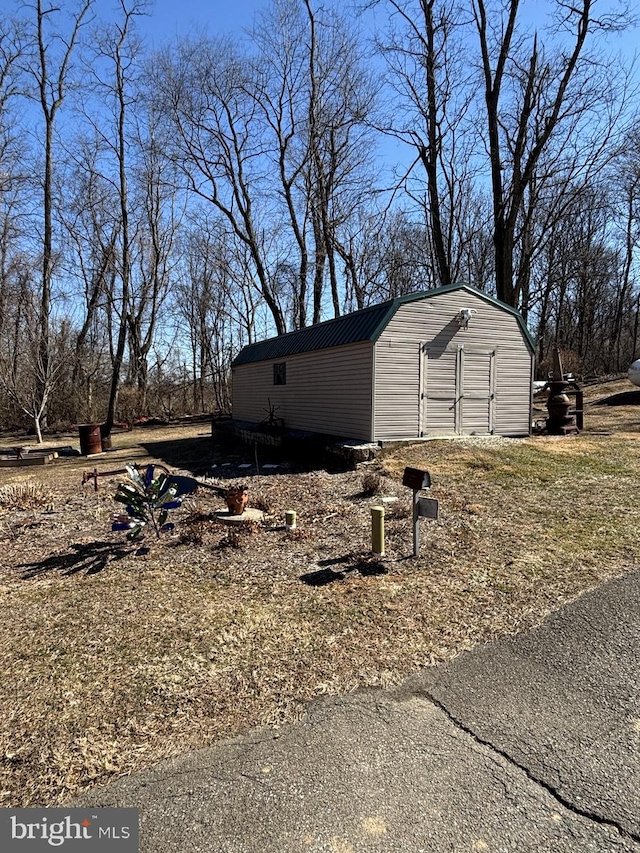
(90, 439)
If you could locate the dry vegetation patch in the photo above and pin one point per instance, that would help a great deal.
(115, 655)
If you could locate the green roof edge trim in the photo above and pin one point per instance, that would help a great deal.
(450, 288)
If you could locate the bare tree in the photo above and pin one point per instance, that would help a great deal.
(426, 55)
(50, 68)
(586, 290)
(12, 178)
(92, 224)
(273, 135)
(206, 91)
(482, 98)
(25, 379)
(157, 223)
(213, 298)
(341, 96)
(625, 190)
(537, 99)
(116, 68)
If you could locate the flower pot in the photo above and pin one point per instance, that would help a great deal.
(237, 497)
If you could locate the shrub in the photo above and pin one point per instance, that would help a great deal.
(371, 485)
(261, 503)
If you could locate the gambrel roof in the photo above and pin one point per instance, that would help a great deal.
(364, 325)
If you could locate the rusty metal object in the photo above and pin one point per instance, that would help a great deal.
(93, 475)
(560, 421)
(90, 439)
(579, 406)
(185, 485)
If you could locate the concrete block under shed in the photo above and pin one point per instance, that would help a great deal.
(356, 452)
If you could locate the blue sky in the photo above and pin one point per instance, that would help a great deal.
(178, 17)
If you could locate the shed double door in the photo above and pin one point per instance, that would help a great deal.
(458, 390)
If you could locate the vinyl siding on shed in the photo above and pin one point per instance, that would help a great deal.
(327, 391)
(513, 396)
(431, 324)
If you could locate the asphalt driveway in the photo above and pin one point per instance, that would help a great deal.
(527, 744)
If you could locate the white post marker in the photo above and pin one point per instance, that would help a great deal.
(377, 530)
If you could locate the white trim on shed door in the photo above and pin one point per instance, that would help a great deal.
(457, 390)
(477, 394)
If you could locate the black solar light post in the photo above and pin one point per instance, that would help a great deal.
(417, 479)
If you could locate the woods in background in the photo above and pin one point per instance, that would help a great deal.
(158, 211)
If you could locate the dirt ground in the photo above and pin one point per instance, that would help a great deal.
(116, 654)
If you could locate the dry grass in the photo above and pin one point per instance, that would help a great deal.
(114, 656)
(24, 494)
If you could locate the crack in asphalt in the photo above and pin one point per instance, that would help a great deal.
(550, 789)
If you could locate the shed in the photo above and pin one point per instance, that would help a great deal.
(447, 361)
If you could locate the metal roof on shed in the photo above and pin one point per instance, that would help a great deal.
(364, 325)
